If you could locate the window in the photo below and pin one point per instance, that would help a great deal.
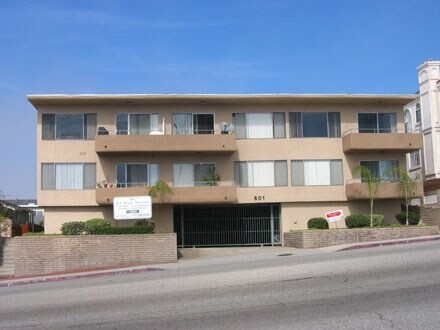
(414, 159)
(62, 126)
(265, 125)
(377, 122)
(190, 175)
(261, 173)
(408, 122)
(381, 169)
(418, 113)
(193, 123)
(136, 123)
(314, 124)
(68, 176)
(317, 172)
(132, 175)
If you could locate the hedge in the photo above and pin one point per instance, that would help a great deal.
(94, 224)
(73, 228)
(124, 230)
(413, 218)
(317, 223)
(357, 221)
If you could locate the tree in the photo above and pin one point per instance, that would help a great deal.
(407, 186)
(372, 184)
(160, 190)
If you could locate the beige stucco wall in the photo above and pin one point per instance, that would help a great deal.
(298, 203)
(294, 216)
(55, 216)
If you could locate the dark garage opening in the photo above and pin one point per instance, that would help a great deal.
(227, 225)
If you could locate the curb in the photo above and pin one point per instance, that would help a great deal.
(405, 241)
(52, 278)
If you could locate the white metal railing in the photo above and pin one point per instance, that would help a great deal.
(110, 184)
(104, 131)
(379, 131)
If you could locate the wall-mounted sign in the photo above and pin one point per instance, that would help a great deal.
(132, 208)
(334, 216)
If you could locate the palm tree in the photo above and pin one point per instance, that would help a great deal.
(372, 183)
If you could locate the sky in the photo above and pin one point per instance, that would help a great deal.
(179, 46)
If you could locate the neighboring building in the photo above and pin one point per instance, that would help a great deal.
(243, 168)
(423, 115)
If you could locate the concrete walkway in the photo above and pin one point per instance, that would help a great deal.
(203, 257)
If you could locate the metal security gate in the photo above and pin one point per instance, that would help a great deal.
(227, 225)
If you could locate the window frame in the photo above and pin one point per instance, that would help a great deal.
(150, 114)
(377, 129)
(332, 184)
(126, 183)
(194, 183)
(54, 164)
(274, 162)
(193, 129)
(84, 136)
(327, 117)
(379, 167)
(273, 127)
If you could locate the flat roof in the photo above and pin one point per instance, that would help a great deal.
(73, 99)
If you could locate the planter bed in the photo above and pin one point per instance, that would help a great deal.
(308, 239)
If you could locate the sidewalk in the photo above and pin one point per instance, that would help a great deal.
(210, 256)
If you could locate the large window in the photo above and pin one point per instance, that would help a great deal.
(314, 124)
(259, 125)
(317, 172)
(68, 176)
(261, 173)
(377, 122)
(381, 170)
(190, 175)
(136, 123)
(63, 126)
(418, 113)
(193, 123)
(408, 122)
(414, 159)
(132, 175)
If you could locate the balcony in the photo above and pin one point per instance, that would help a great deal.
(221, 193)
(354, 141)
(165, 143)
(355, 189)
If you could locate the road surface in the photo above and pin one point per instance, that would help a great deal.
(395, 287)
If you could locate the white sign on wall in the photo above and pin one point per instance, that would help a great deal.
(334, 215)
(132, 208)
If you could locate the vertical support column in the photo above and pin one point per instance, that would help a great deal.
(271, 225)
(182, 229)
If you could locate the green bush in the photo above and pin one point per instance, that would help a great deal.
(317, 223)
(92, 224)
(413, 218)
(141, 222)
(38, 233)
(2, 218)
(377, 219)
(124, 230)
(73, 228)
(357, 221)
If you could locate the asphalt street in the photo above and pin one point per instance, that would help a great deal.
(394, 287)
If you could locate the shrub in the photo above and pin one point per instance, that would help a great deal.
(141, 222)
(2, 218)
(92, 224)
(317, 223)
(413, 218)
(357, 221)
(377, 219)
(73, 228)
(124, 230)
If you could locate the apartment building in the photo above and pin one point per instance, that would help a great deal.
(243, 168)
(423, 115)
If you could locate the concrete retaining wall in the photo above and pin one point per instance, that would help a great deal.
(52, 254)
(307, 239)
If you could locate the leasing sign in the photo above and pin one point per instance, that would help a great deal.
(334, 216)
(132, 208)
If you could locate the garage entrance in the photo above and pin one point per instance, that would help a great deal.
(227, 225)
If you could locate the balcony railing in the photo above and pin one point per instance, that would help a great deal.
(371, 140)
(388, 189)
(210, 141)
(211, 192)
